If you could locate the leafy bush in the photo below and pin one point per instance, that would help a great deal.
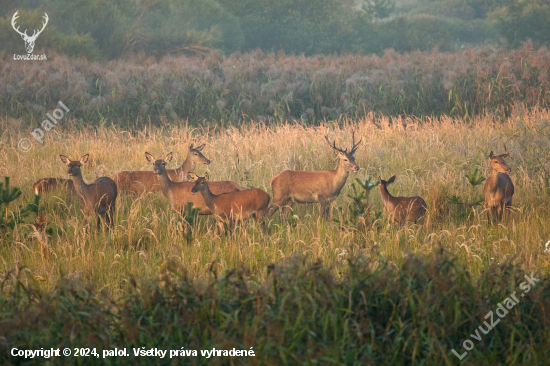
(375, 314)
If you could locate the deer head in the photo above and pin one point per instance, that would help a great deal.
(346, 157)
(29, 40)
(159, 165)
(74, 165)
(498, 164)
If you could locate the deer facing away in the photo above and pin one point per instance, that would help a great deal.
(498, 189)
(96, 198)
(321, 186)
(401, 209)
(231, 207)
(179, 193)
(137, 182)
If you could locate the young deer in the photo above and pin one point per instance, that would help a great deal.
(401, 209)
(498, 189)
(231, 207)
(321, 186)
(179, 193)
(44, 185)
(96, 198)
(137, 182)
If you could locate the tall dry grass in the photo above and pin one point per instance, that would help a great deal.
(430, 157)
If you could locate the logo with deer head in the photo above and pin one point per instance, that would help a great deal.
(29, 40)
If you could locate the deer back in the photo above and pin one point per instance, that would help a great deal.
(45, 185)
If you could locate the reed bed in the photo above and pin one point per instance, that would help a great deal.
(268, 87)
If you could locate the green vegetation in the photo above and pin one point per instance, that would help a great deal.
(107, 30)
(274, 87)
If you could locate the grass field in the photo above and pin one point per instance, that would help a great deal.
(430, 157)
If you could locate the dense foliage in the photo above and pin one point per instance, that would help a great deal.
(106, 29)
(301, 313)
(262, 86)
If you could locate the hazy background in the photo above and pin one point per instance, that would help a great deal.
(105, 29)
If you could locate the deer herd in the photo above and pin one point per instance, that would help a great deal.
(228, 202)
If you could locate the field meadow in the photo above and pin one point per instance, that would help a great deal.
(147, 248)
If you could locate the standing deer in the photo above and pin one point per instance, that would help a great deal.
(179, 193)
(96, 198)
(29, 41)
(321, 186)
(498, 189)
(401, 209)
(44, 185)
(137, 182)
(231, 207)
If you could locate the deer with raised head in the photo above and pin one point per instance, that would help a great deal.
(45, 185)
(137, 182)
(401, 209)
(229, 208)
(179, 193)
(322, 186)
(96, 198)
(29, 40)
(498, 189)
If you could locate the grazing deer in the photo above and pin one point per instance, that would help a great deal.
(498, 189)
(231, 207)
(179, 193)
(49, 184)
(96, 198)
(321, 186)
(401, 209)
(137, 182)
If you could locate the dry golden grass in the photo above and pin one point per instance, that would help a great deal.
(430, 158)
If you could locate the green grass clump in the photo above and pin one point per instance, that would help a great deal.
(300, 314)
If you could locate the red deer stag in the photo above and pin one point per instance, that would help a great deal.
(498, 189)
(179, 193)
(137, 182)
(96, 198)
(401, 209)
(321, 186)
(231, 207)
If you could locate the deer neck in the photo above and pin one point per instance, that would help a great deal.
(187, 167)
(165, 183)
(209, 197)
(340, 176)
(386, 196)
(80, 187)
(492, 180)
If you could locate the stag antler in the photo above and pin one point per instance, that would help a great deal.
(333, 145)
(46, 18)
(354, 145)
(13, 19)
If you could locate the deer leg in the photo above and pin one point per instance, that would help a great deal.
(325, 209)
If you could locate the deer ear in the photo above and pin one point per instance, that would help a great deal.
(391, 180)
(491, 155)
(206, 177)
(193, 176)
(65, 159)
(200, 147)
(190, 147)
(84, 159)
(504, 155)
(149, 157)
(168, 157)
